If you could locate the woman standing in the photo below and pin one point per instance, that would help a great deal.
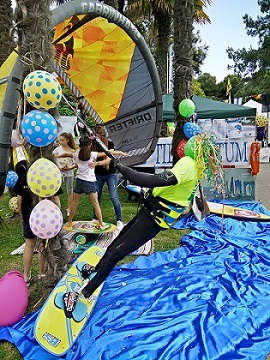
(107, 174)
(25, 206)
(67, 145)
(85, 162)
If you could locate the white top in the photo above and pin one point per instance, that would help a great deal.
(65, 161)
(84, 171)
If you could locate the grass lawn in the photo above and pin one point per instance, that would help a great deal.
(11, 238)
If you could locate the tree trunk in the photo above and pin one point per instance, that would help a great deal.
(164, 27)
(6, 40)
(183, 19)
(35, 52)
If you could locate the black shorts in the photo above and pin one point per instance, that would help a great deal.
(59, 192)
(27, 232)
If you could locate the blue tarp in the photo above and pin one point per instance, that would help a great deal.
(208, 299)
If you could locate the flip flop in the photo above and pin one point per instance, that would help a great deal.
(28, 281)
(68, 227)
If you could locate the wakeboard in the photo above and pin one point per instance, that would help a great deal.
(236, 212)
(54, 330)
(90, 227)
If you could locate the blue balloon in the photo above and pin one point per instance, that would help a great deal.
(39, 128)
(190, 129)
(11, 179)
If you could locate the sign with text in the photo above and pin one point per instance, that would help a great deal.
(234, 152)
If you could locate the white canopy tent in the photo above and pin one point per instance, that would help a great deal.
(254, 104)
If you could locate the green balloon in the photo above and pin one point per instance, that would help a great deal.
(186, 108)
(191, 148)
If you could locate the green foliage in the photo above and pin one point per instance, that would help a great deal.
(65, 110)
(197, 89)
(254, 62)
(208, 84)
(199, 53)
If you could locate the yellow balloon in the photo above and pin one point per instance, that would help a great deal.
(44, 178)
(42, 90)
(13, 205)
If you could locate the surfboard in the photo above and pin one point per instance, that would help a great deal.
(53, 330)
(236, 212)
(201, 208)
(90, 227)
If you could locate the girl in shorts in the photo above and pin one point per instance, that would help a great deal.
(25, 206)
(67, 145)
(85, 182)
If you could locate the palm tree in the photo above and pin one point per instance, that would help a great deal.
(6, 40)
(183, 20)
(185, 12)
(159, 12)
(35, 51)
(200, 17)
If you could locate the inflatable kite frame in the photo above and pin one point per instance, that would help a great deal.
(136, 132)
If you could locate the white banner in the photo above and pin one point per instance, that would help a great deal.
(234, 152)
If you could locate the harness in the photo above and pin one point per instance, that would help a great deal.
(164, 212)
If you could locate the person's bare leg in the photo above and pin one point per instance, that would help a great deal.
(70, 199)
(73, 208)
(28, 258)
(57, 201)
(41, 261)
(94, 200)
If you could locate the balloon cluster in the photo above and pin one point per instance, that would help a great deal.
(261, 120)
(43, 92)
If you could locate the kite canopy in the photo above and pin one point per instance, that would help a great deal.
(105, 62)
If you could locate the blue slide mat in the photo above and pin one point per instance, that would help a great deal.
(208, 299)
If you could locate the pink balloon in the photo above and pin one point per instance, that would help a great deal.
(13, 298)
(46, 219)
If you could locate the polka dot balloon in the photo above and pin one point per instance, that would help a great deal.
(11, 179)
(39, 128)
(44, 178)
(190, 129)
(186, 108)
(13, 205)
(181, 148)
(42, 90)
(46, 219)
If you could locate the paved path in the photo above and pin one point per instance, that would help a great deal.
(262, 185)
(262, 192)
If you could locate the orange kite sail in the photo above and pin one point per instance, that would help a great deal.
(103, 59)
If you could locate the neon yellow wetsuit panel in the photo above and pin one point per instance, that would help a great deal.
(181, 194)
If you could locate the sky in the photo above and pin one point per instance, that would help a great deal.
(226, 30)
